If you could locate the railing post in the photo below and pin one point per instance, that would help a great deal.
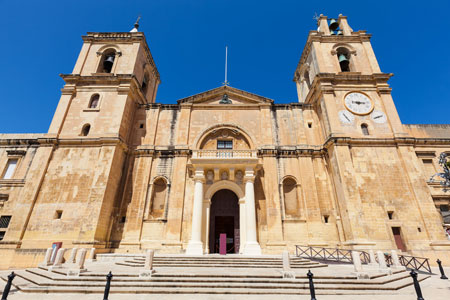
(416, 285)
(8, 286)
(311, 285)
(108, 285)
(441, 269)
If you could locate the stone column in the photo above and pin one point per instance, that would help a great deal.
(91, 255)
(251, 245)
(195, 245)
(59, 259)
(148, 266)
(396, 261)
(382, 263)
(79, 265)
(358, 266)
(287, 271)
(47, 258)
(73, 256)
(208, 217)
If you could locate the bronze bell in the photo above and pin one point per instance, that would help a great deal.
(108, 63)
(333, 25)
(344, 62)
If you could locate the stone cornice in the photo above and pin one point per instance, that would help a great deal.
(124, 83)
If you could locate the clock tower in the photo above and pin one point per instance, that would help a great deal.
(364, 141)
(339, 75)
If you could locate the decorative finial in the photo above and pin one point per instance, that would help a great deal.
(136, 25)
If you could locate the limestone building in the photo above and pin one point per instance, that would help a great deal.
(122, 173)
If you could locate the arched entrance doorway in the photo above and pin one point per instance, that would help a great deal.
(224, 218)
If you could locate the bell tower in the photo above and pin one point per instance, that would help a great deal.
(339, 74)
(113, 75)
(339, 79)
(98, 123)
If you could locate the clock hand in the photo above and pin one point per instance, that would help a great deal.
(357, 102)
(378, 117)
(347, 118)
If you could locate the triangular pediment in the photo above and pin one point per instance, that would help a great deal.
(236, 96)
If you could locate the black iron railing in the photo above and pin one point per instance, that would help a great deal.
(345, 256)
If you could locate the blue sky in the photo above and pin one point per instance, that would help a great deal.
(41, 39)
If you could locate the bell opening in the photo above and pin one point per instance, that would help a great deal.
(108, 64)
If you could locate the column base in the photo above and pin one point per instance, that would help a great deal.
(252, 248)
(194, 248)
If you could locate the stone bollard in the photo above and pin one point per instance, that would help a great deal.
(287, 272)
(396, 261)
(47, 258)
(382, 263)
(73, 256)
(373, 261)
(79, 265)
(59, 259)
(148, 266)
(91, 257)
(358, 266)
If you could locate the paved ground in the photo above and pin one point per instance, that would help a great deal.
(433, 289)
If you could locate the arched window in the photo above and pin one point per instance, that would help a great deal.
(93, 103)
(365, 129)
(107, 61)
(343, 56)
(291, 205)
(158, 198)
(85, 130)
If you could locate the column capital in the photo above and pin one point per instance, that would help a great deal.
(199, 175)
(249, 175)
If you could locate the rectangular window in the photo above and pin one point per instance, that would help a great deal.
(10, 168)
(2, 235)
(4, 221)
(224, 144)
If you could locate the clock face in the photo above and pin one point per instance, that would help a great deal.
(346, 117)
(358, 103)
(378, 117)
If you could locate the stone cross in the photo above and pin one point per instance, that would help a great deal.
(73, 255)
(396, 261)
(48, 257)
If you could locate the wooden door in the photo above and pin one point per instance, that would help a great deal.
(398, 239)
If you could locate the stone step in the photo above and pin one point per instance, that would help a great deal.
(306, 266)
(207, 280)
(41, 280)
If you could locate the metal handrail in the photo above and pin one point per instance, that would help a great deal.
(345, 256)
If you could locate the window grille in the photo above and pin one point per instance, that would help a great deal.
(4, 221)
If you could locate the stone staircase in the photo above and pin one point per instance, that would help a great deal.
(228, 261)
(208, 275)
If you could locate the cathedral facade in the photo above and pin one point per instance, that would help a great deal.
(122, 173)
